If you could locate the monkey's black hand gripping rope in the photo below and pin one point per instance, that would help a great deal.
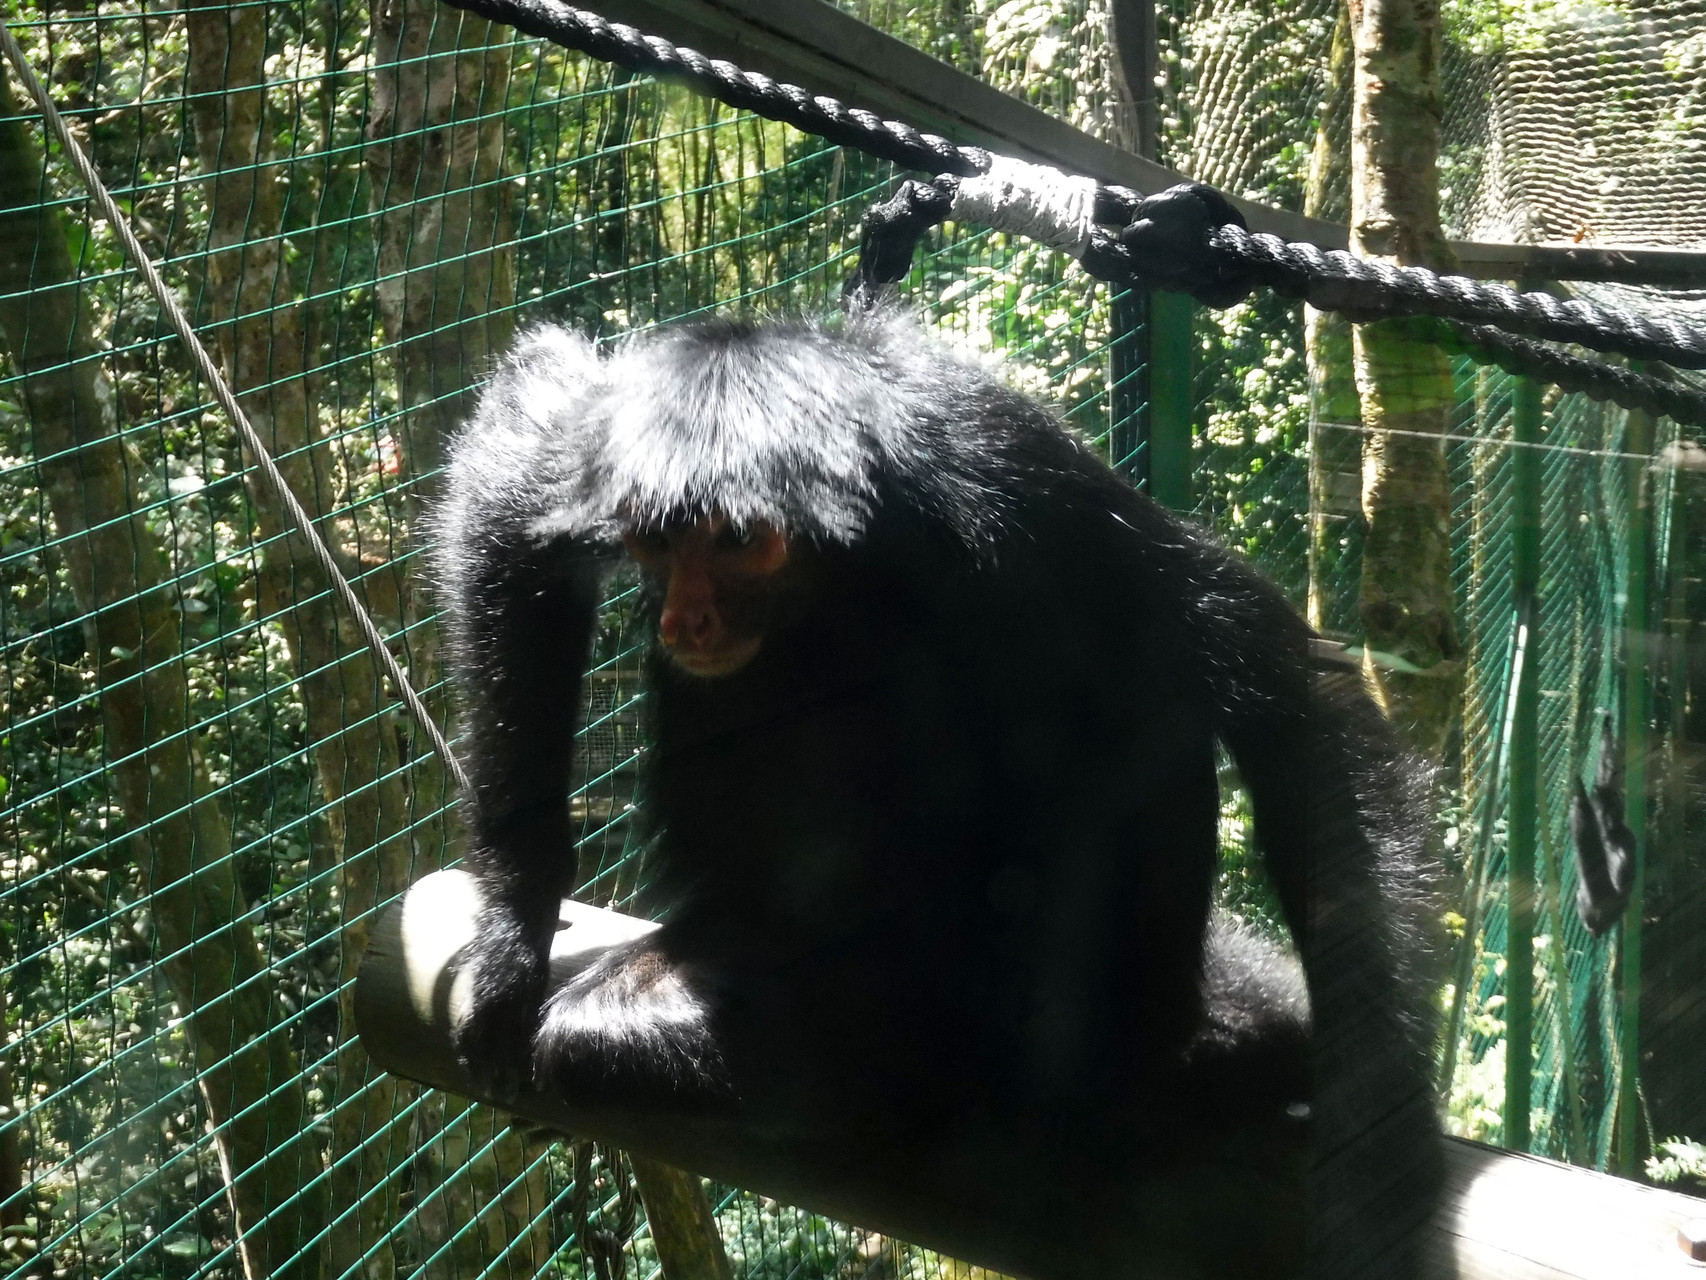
(889, 237)
(1187, 239)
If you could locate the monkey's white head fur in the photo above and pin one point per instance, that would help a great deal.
(785, 422)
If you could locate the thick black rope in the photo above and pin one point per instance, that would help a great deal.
(1338, 281)
(1592, 378)
(892, 229)
(622, 45)
(1191, 239)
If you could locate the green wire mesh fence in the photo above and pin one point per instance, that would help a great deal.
(205, 789)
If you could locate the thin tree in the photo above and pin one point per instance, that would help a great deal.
(1407, 604)
(179, 833)
(259, 328)
(1335, 413)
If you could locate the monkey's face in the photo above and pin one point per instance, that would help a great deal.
(717, 581)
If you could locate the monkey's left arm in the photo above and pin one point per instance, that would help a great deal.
(1340, 813)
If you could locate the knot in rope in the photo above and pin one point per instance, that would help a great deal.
(1169, 244)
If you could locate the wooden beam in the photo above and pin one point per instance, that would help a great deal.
(1520, 1217)
(1507, 1217)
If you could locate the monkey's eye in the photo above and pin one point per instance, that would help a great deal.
(645, 544)
(736, 537)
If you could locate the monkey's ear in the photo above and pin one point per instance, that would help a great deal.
(512, 463)
(555, 351)
(536, 397)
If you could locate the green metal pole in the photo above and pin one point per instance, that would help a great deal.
(1525, 767)
(1170, 347)
(1137, 357)
(1636, 711)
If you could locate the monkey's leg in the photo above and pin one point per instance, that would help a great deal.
(636, 1025)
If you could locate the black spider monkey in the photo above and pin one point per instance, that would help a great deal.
(1605, 847)
(934, 699)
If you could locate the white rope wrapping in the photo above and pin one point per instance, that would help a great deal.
(1030, 200)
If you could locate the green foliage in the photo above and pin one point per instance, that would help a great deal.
(1680, 1162)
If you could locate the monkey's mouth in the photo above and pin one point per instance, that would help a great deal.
(712, 664)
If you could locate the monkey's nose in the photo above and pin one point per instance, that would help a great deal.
(688, 629)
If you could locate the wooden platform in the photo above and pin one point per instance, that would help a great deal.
(1507, 1216)
(1517, 1217)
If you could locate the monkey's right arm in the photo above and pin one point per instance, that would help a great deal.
(520, 612)
(522, 635)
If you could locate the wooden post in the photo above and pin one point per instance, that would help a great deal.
(1151, 438)
(683, 1228)
(1506, 1216)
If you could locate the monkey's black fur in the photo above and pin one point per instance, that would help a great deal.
(936, 866)
(1605, 847)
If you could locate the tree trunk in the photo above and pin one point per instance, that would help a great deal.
(484, 1201)
(446, 257)
(11, 1121)
(261, 343)
(1130, 31)
(446, 289)
(1406, 603)
(179, 833)
(435, 130)
(1335, 412)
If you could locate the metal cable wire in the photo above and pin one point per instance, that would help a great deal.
(227, 400)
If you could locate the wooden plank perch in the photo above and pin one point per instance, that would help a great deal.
(1506, 1216)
